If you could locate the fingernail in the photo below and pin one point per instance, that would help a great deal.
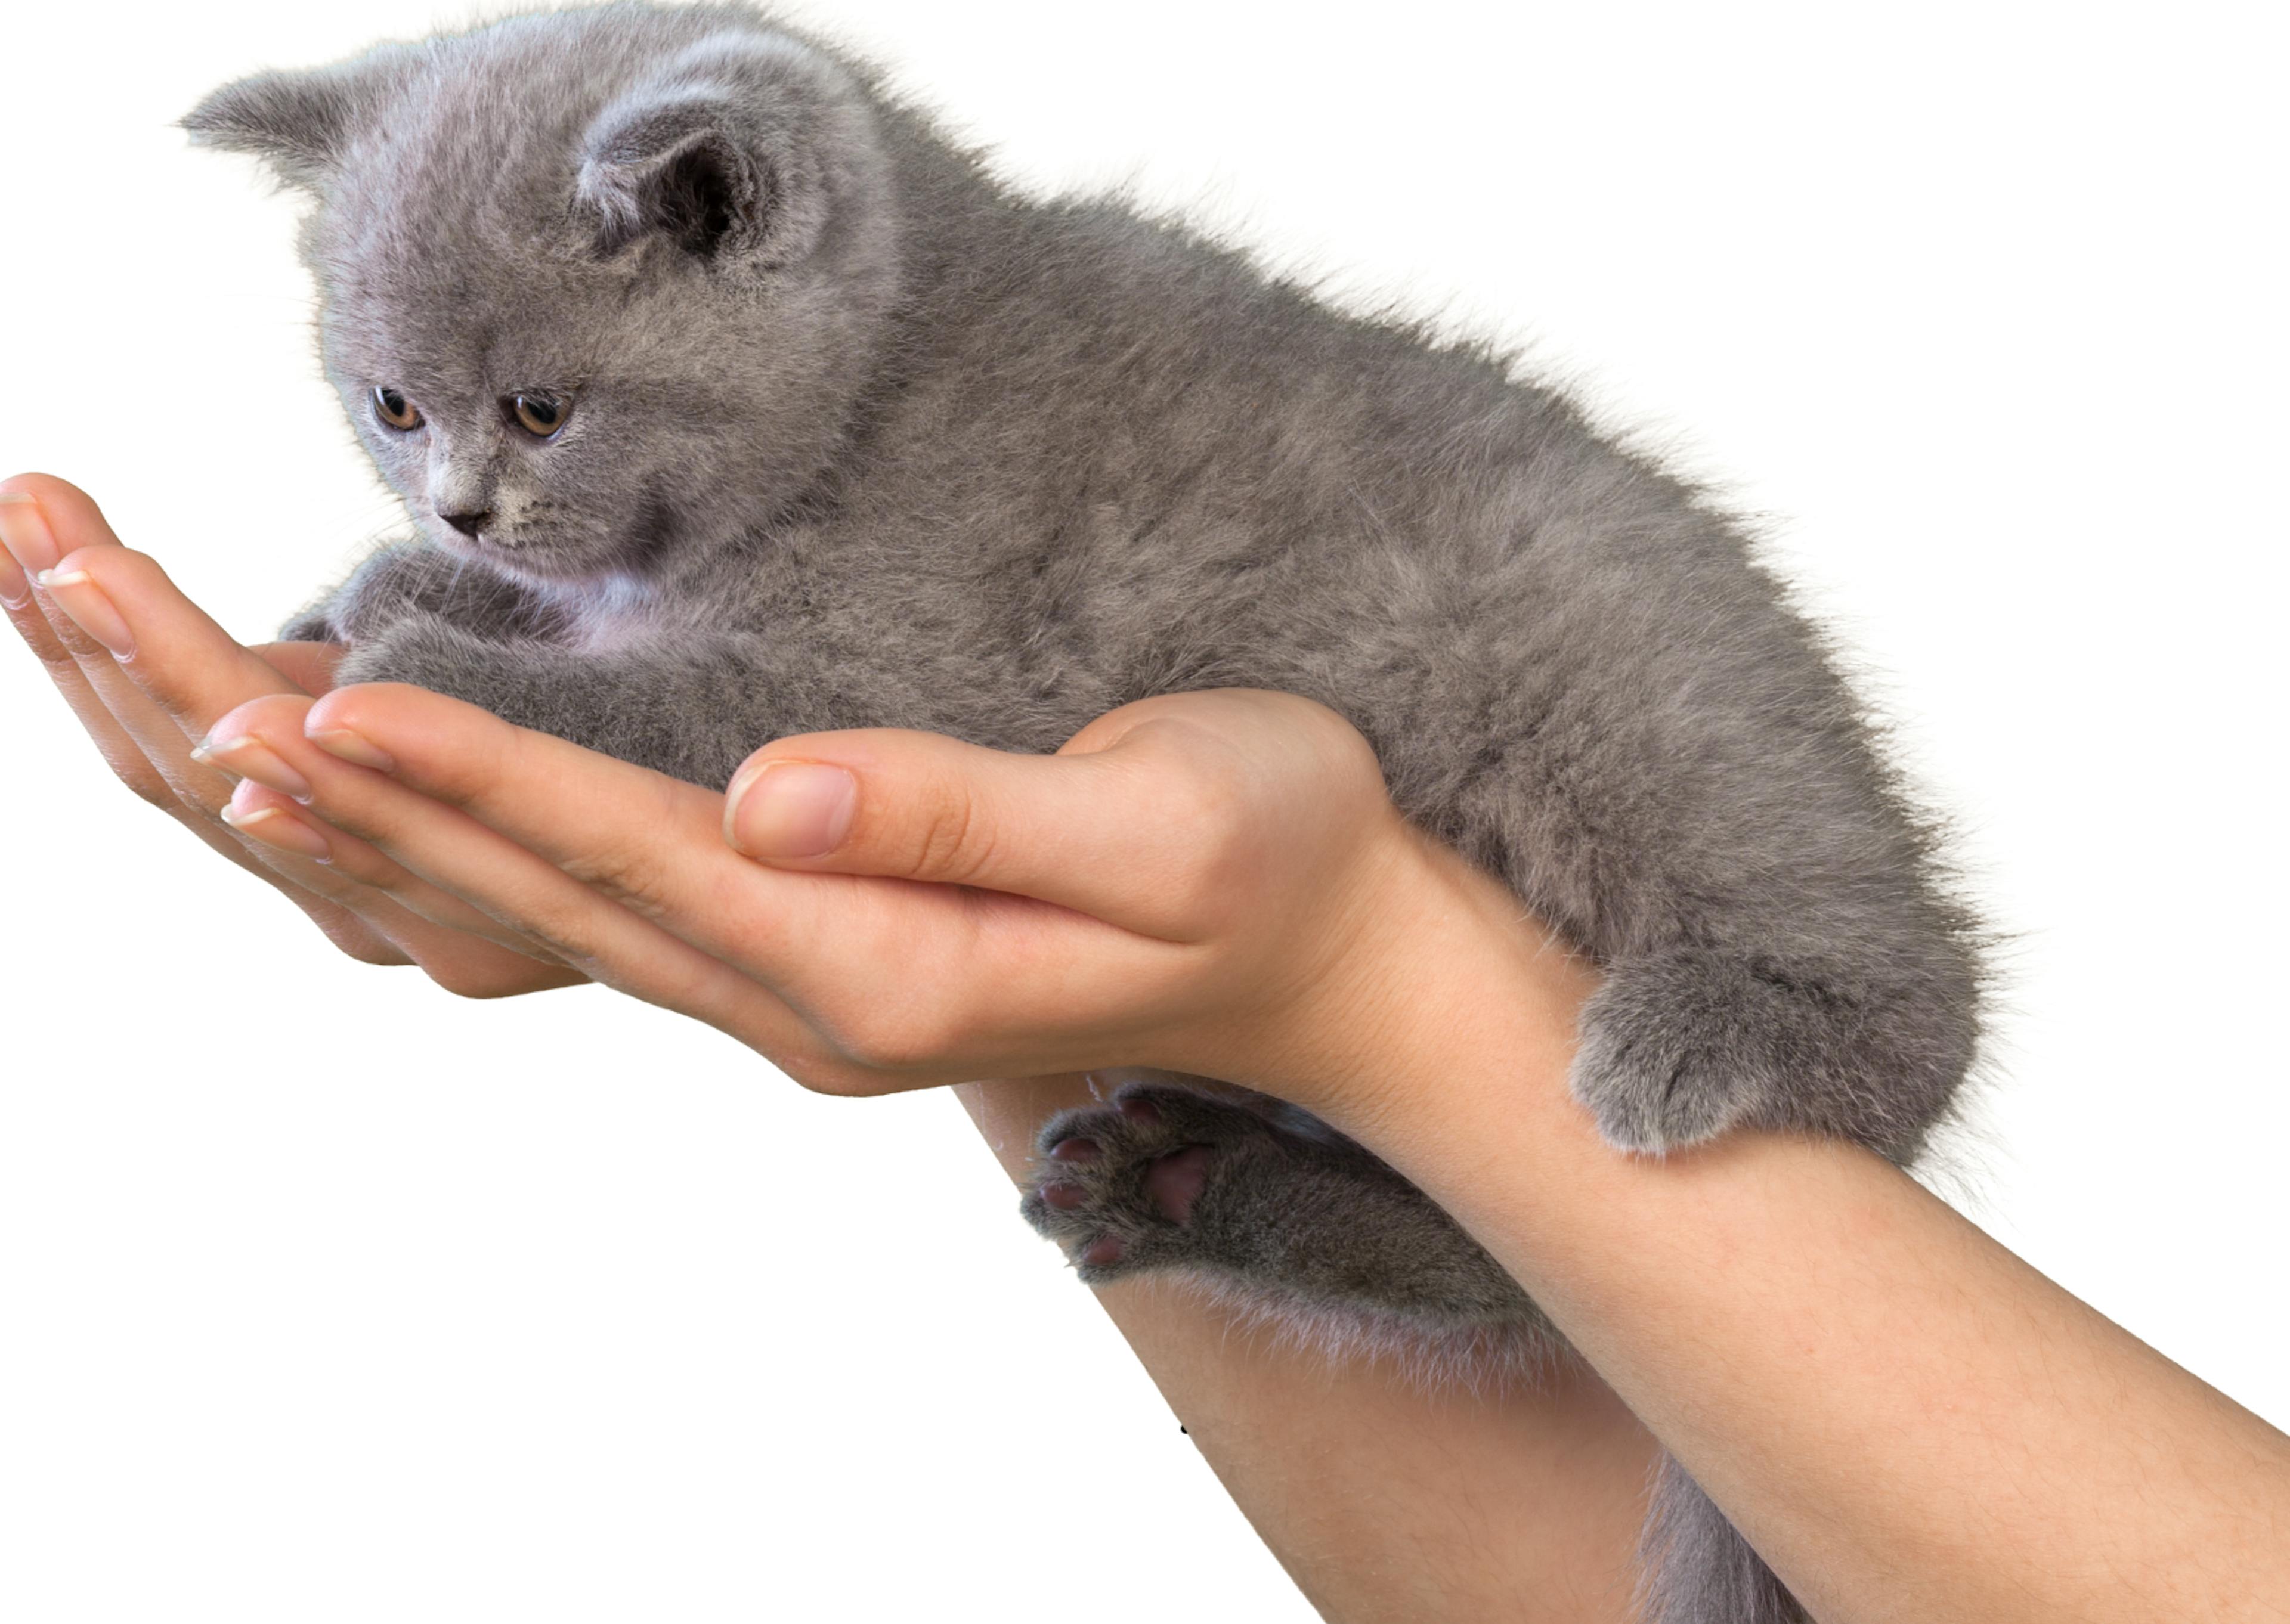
(790, 809)
(24, 532)
(353, 747)
(250, 758)
(275, 827)
(76, 593)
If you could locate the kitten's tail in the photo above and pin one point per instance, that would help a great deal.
(1698, 1568)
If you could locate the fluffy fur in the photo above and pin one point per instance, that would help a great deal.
(857, 438)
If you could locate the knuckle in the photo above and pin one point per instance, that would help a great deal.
(837, 1082)
(1215, 850)
(55, 653)
(111, 566)
(951, 842)
(351, 936)
(457, 980)
(691, 987)
(477, 980)
(134, 770)
(149, 789)
(385, 879)
(569, 940)
(32, 627)
(1210, 810)
(365, 948)
(628, 868)
(61, 666)
(897, 1036)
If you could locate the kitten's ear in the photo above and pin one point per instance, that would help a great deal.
(733, 153)
(299, 120)
(676, 168)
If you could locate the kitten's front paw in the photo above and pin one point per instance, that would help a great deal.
(401, 582)
(315, 624)
(1678, 1050)
(1121, 1184)
(424, 651)
(412, 580)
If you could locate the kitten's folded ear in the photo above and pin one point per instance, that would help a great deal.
(738, 153)
(298, 120)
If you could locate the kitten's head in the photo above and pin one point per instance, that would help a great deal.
(598, 287)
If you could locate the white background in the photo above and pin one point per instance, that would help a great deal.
(325, 1296)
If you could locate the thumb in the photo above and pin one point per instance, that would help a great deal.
(1086, 831)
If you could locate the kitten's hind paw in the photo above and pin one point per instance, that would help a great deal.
(1120, 1184)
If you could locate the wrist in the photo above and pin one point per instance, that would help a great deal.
(1436, 970)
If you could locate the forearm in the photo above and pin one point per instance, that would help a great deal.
(1908, 1422)
(1383, 1501)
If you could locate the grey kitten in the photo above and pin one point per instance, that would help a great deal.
(730, 400)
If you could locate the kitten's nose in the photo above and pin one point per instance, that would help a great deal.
(469, 523)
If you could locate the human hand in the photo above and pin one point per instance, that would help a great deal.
(1214, 883)
(147, 674)
(1202, 881)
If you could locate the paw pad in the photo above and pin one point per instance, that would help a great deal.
(1121, 1183)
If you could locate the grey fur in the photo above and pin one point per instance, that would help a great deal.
(859, 439)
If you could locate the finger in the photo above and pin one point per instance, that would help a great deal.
(1124, 834)
(518, 888)
(1089, 831)
(484, 963)
(392, 917)
(112, 740)
(120, 613)
(181, 800)
(470, 963)
(602, 887)
(144, 748)
(650, 843)
(646, 840)
(30, 547)
(15, 581)
(170, 649)
(145, 670)
(354, 872)
(142, 739)
(900, 975)
(40, 519)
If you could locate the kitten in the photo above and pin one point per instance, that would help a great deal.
(730, 400)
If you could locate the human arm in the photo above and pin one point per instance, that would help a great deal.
(1905, 1419)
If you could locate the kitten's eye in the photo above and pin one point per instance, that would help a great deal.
(540, 415)
(394, 409)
